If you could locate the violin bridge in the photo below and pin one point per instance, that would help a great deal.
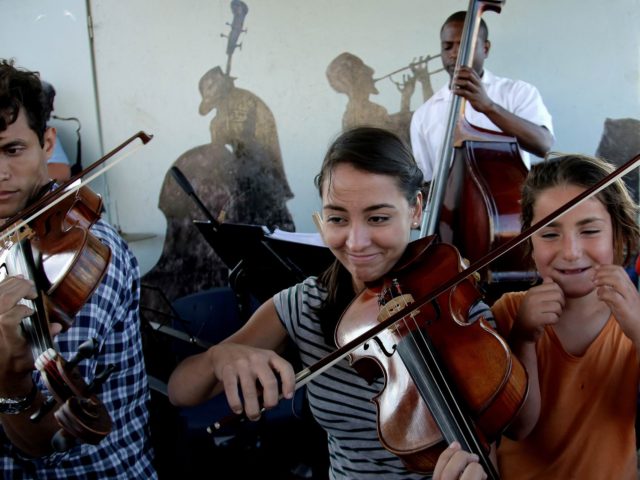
(23, 233)
(396, 304)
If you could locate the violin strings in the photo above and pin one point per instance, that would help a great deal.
(35, 325)
(418, 337)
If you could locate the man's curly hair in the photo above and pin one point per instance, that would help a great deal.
(21, 88)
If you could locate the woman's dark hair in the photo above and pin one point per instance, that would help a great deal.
(21, 88)
(372, 150)
(584, 171)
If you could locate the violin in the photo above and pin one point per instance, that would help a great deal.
(66, 262)
(445, 379)
(49, 243)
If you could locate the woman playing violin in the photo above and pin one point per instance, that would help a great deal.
(110, 316)
(370, 188)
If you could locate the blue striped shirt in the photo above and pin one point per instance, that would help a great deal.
(112, 317)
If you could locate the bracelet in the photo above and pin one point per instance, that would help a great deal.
(15, 405)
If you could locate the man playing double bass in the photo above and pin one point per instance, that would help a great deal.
(110, 316)
(495, 103)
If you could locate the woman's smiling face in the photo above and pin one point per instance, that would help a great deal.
(367, 221)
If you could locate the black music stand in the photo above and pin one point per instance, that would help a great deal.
(259, 264)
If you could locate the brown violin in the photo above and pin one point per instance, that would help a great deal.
(445, 379)
(66, 263)
(49, 242)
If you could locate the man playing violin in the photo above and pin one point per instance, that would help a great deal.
(513, 107)
(110, 316)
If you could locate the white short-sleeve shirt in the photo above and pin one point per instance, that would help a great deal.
(429, 122)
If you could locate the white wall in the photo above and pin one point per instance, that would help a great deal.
(52, 38)
(583, 55)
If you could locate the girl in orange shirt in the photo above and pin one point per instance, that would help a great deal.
(577, 332)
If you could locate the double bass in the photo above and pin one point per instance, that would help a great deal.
(474, 198)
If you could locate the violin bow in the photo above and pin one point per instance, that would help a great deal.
(22, 218)
(307, 374)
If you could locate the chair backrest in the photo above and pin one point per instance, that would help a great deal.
(211, 315)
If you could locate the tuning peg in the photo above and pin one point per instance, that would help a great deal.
(43, 410)
(87, 349)
(100, 378)
(62, 442)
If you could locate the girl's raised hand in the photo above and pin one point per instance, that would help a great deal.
(615, 288)
(542, 305)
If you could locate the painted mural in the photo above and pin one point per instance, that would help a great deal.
(349, 75)
(238, 176)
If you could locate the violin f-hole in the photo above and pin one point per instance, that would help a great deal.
(436, 309)
(381, 346)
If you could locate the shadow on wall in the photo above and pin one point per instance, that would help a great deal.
(239, 177)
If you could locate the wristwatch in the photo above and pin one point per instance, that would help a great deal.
(15, 405)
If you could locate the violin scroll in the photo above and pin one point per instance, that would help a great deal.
(81, 414)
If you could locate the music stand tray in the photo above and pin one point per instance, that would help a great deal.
(260, 264)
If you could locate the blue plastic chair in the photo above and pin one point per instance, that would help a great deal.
(211, 316)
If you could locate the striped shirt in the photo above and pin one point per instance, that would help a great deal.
(111, 316)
